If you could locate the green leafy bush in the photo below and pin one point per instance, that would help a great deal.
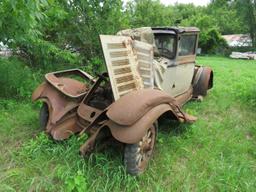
(212, 42)
(95, 66)
(16, 79)
(46, 56)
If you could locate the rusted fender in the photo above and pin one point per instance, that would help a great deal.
(134, 113)
(132, 106)
(38, 91)
(58, 104)
(202, 81)
(64, 128)
(133, 133)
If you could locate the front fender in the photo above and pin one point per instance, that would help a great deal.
(132, 106)
(133, 133)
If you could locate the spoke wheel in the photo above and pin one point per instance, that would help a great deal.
(136, 156)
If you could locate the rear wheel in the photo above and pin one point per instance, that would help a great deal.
(136, 156)
(44, 116)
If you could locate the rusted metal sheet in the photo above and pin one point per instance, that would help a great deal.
(88, 146)
(58, 104)
(134, 132)
(62, 96)
(68, 86)
(66, 127)
(203, 81)
(127, 110)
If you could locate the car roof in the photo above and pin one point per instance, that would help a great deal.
(146, 34)
(177, 30)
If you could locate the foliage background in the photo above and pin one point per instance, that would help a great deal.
(215, 154)
(43, 27)
(47, 35)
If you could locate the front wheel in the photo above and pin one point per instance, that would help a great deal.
(136, 156)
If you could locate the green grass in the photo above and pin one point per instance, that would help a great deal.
(216, 153)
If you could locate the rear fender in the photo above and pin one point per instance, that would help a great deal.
(203, 81)
(133, 133)
(38, 91)
(58, 104)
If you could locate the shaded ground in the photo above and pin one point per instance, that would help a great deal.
(217, 153)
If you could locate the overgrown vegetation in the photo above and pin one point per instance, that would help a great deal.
(217, 153)
(52, 34)
(17, 79)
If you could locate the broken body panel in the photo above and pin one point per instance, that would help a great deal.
(62, 96)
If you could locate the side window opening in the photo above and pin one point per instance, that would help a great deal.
(187, 45)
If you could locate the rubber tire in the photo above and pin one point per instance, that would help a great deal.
(130, 156)
(44, 116)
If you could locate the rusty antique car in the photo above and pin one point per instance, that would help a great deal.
(151, 72)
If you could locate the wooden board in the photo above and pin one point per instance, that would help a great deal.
(144, 54)
(128, 64)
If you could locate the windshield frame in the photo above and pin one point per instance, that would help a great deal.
(174, 36)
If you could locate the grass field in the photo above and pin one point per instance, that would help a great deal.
(216, 153)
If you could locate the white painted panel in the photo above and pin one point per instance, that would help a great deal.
(144, 54)
(184, 76)
(128, 64)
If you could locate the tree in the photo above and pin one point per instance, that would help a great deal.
(247, 9)
(19, 20)
(86, 20)
(146, 13)
(226, 16)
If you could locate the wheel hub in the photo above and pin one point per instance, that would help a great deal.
(145, 148)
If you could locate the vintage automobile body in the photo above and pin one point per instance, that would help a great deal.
(151, 73)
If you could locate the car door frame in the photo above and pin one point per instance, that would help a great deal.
(185, 66)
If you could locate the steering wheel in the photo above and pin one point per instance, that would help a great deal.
(165, 50)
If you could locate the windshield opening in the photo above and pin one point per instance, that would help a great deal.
(166, 45)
